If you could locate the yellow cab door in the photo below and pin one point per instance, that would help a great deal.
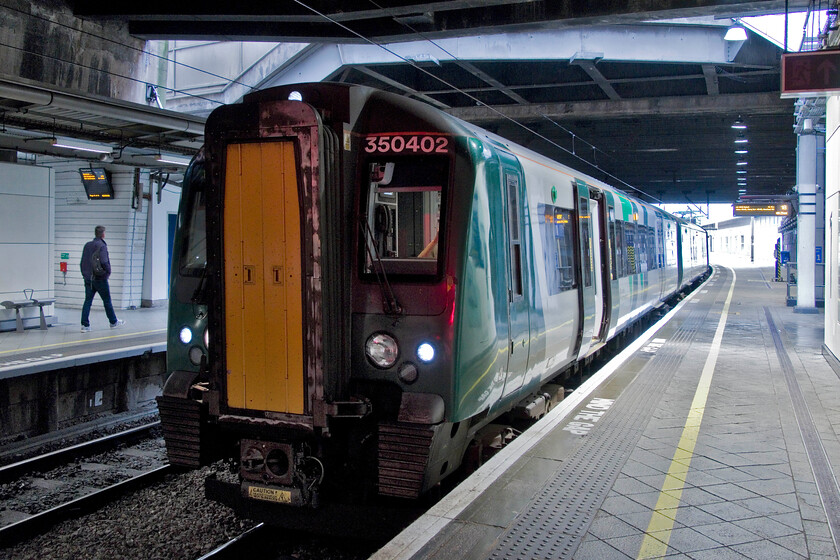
(262, 272)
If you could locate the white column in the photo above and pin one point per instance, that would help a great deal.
(806, 184)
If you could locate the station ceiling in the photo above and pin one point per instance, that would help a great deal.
(657, 124)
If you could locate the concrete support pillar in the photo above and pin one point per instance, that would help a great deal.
(807, 167)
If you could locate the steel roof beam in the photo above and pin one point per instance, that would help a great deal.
(627, 43)
(754, 103)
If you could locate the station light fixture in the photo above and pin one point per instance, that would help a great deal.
(742, 171)
(735, 33)
(742, 162)
(741, 139)
(739, 124)
(80, 145)
(741, 151)
(174, 160)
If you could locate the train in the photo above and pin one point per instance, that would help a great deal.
(362, 283)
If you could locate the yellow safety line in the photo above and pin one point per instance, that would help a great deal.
(80, 342)
(658, 534)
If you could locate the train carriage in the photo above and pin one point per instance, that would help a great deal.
(364, 282)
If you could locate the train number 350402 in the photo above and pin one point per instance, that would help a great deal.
(407, 143)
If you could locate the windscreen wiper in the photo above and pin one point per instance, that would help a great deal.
(389, 300)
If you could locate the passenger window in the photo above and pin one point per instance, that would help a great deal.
(586, 242)
(558, 243)
(630, 239)
(620, 249)
(611, 248)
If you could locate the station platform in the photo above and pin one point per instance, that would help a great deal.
(714, 435)
(64, 345)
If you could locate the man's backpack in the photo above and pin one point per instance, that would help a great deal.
(96, 263)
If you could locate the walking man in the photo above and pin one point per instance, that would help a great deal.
(96, 268)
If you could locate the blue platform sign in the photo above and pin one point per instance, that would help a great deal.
(784, 256)
(819, 255)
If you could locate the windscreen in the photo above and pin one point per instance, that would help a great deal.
(402, 214)
(193, 229)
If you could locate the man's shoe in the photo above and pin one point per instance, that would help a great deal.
(118, 324)
(85, 329)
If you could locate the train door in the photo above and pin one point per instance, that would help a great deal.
(263, 278)
(591, 299)
(660, 256)
(518, 308)
(601, 264)
(614, 252)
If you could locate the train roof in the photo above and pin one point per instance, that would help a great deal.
(351, 104)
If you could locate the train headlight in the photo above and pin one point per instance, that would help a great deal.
(206, 339)
(426, 352)
(185, 334)
(382, 350)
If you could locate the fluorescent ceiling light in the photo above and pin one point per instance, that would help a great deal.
(741, 140)
(739, 124)
(741, 171)
(742, 163)
(173, 160)
(735, 33)
(81, 145)
(742, 151)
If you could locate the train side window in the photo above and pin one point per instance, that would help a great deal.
(193, 258)
(558, 244)
(620, 249)
(512, 185)
(651, 248)
(630, 240)
(641, 251)
(660, 248)
(585, 239)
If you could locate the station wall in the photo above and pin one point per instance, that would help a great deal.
(46, 219)
(125, 233)
(26, 236)
(745, 240)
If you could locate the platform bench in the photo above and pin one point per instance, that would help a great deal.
(19, 304)
(41, 303)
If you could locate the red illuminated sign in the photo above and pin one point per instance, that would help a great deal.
(810, 74)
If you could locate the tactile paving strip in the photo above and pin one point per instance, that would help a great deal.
(558, 517)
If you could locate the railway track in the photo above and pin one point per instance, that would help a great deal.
(59, 457)
(42, 522)
(38, 492)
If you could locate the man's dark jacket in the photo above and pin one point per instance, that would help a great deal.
(86, 265)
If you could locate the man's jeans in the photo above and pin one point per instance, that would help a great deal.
(91, 288)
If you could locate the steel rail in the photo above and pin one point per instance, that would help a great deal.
(44, 521)
(63, 456)
(235, 547)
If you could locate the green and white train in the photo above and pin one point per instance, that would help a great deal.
(363, 282)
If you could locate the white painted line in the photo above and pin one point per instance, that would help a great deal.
(418, 534)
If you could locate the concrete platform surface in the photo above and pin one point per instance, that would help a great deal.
(714, 436)
(64, 345)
